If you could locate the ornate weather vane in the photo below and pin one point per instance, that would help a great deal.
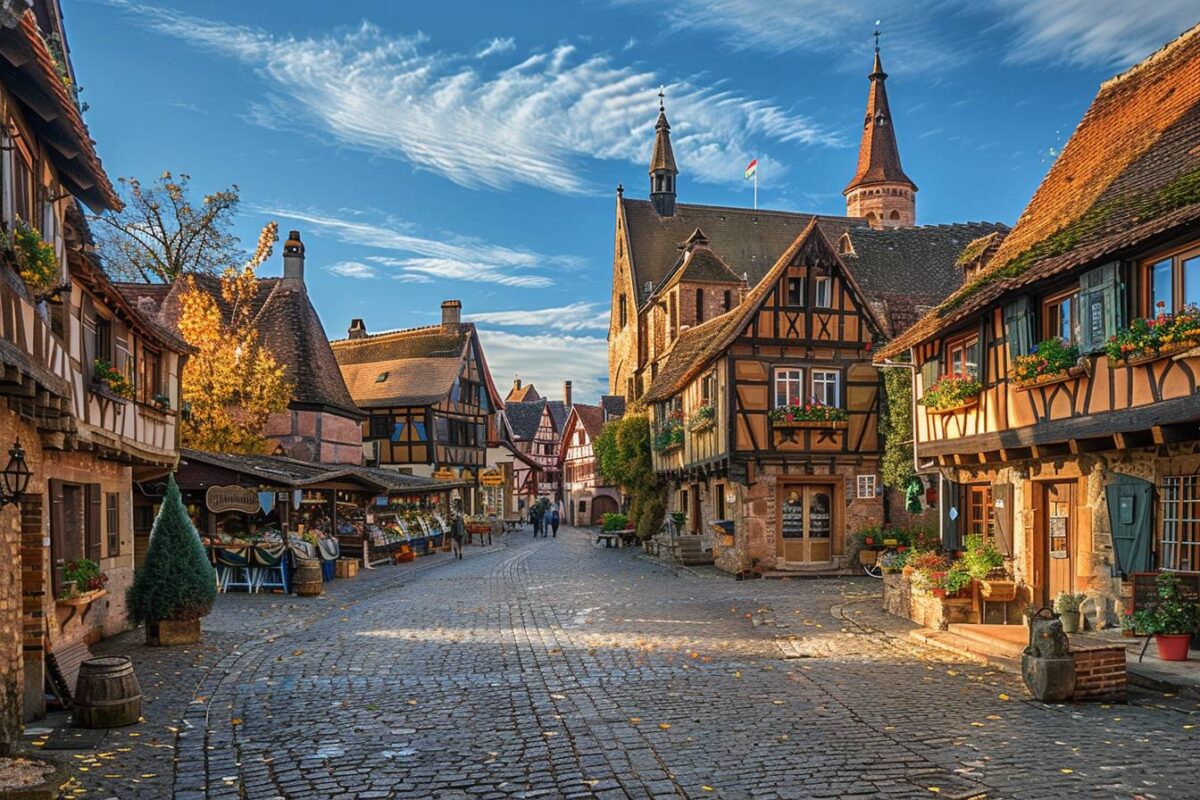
(876, 36)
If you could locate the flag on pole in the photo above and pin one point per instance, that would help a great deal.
(752, 169)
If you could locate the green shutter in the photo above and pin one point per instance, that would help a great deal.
(1129, 502)
(1018, 327)
(1101, 306)
(929, 373)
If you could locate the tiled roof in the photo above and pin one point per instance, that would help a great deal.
(613, 405)
(524, 394)
(747, 240)
(591, 417)
(702, 265)
(662, 157)
(1130, 172)
(695, 348)
(33, 68)
(878, 155)
(284, 471)
(558, 412)
(524, 418)
(410, 367)
(905, 269)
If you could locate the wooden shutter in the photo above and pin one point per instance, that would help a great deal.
(1129, 501)
(1101, 306)
(58, 540)
(1018, 327)
(1002, 500)
(93, 520)
(929, 373)
(951, 499)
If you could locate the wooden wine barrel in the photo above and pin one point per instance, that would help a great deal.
(309, 581)
(107, 694)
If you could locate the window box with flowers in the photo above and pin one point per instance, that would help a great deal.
(1151, 338)
(952, 393)
(669, 435)
(812, 414)
(33, 258)
(1051, 361)
(703, 419)
(110, 380)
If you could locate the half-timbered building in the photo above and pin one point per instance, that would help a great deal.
(586, 495)
(428, 395)
(87, 433)
(536, 427)
(1059, 385)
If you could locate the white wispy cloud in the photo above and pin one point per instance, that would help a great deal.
(540, 360)
(416, 258)
(577, 316)
(1101, 33)
(536, 121)
(497, 46)
(353, 269)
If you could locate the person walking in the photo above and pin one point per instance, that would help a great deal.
(554, 520)
(458, 533)
(535, 514)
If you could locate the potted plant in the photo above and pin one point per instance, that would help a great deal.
(162, 402)
(83, 575)
(1066, 605)
(175, 585)
(1048, 361)
(955, 580)
(952, 392)
(1172, 618)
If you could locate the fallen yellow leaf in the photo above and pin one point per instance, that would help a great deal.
(1003, 696)
(664, 725)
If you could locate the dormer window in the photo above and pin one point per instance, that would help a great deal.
(382, 378)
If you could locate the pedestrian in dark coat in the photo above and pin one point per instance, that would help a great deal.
(458, 533)
(535, 514)
(554, 521)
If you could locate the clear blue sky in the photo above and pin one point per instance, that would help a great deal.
(471, 150)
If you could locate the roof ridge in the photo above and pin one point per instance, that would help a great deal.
(376, 337)
(1158, 55)
(767, 211)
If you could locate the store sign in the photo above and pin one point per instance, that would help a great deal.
(231, 498)
(491, 477)
(444, 474)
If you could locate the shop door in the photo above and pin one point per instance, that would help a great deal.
(805, 524)
(1056, 540)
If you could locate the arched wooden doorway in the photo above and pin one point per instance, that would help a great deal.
(602, 505)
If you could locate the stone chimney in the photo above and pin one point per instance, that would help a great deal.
(358, 329)
(451, 315)
(517, 384)
(567, 393)
(293, 259)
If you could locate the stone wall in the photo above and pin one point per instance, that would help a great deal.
(901, 599)
(316, 436)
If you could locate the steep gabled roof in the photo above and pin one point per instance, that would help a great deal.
(1129, 173)
(702, 265)
(523, 418)
(695, 348)
(878, 155)
(558, 413)
(747, 240)
(522, 394)
(613, 406)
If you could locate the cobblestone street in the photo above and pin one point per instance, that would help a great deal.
(551, 668)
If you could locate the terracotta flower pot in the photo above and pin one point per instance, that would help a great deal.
(1173, 646)
(170, 632)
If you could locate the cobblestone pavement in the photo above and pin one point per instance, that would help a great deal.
(551, 668)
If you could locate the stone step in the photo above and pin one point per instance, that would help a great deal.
(1011, 643)
(979, 652)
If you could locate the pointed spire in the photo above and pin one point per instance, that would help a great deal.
(662, 165)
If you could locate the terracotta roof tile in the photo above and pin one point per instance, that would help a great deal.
(1130, 171)
(524, 394)
(878, 155)
(417, 366)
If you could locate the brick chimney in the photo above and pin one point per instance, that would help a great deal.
(451, 315)
(358, 329)
(293, 259)
(567, 393)
(517, 383)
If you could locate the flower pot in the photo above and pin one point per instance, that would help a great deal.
(1070, 621)
(1173, 646)
(170, 632)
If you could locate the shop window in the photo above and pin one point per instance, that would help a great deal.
(825, 386)
(1179, 547)
(381, 426)
(1060, 316)
(1173, 283)
(795, 292)
(822, 292)
(789, 386)
(112, 523)
(866, 487)
(962, 356)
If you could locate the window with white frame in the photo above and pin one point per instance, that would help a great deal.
(825, 386)
(1179, 548)
(822, 292)
(789, 386)
(866, 486)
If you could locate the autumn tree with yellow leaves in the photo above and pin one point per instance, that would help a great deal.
(231, 381)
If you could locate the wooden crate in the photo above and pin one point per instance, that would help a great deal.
(346, 568)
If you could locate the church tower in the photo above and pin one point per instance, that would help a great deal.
(662, 166)
(880, 192)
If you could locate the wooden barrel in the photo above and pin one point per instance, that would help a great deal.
(107, 694)
(309, 580)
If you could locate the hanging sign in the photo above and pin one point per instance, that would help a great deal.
(444, 474)
(266, 501)
(231, 498)
(491, 477)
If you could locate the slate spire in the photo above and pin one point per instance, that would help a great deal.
(662, 165)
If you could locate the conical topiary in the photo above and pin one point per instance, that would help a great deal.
(176, 581)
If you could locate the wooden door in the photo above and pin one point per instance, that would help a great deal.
(1055, 540)
(805, 532)
(695, 513)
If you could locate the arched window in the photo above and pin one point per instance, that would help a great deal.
(699, 306)
(895, 215)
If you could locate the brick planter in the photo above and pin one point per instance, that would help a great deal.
(923, 608)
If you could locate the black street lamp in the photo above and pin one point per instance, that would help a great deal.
(16, 476)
